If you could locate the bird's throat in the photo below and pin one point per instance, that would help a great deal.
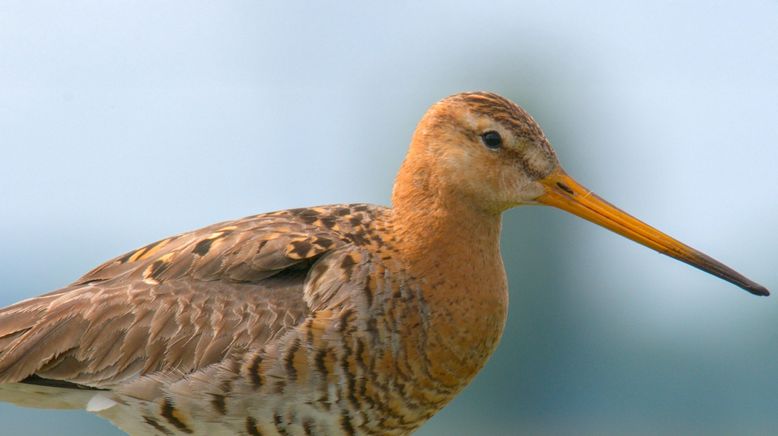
(454, 247)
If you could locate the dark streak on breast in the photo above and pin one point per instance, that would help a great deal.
(344, 320)
(291, 371)
(345, 424)
(278, 420)
(251, 427)
(168, 412)
(256, 377)
(308, 427)
(369, 289)
(156, 425)
(219, 403)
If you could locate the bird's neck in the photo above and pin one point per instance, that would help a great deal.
(453, 247)
(441, 233)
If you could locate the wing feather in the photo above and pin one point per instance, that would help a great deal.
(179, 304)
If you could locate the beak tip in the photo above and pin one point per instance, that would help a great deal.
(758, 290)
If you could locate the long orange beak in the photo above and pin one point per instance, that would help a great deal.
(567, 194)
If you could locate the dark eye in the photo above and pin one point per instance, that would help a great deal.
(492, 139)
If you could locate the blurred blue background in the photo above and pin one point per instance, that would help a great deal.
(124, 122)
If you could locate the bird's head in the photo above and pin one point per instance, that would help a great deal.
(483, 148)
(486, 151)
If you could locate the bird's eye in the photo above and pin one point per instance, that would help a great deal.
(492, 139)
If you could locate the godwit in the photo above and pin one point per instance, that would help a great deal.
(343, 319)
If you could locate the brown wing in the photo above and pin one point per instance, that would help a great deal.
(178, 304)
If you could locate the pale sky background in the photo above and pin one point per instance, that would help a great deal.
(122, 122)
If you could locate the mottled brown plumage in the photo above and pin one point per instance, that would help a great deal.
(342, 319)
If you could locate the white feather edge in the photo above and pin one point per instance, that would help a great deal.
(99, 402)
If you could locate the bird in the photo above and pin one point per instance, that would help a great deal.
(345, 319)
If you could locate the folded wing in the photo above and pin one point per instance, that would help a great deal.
(179, 304)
